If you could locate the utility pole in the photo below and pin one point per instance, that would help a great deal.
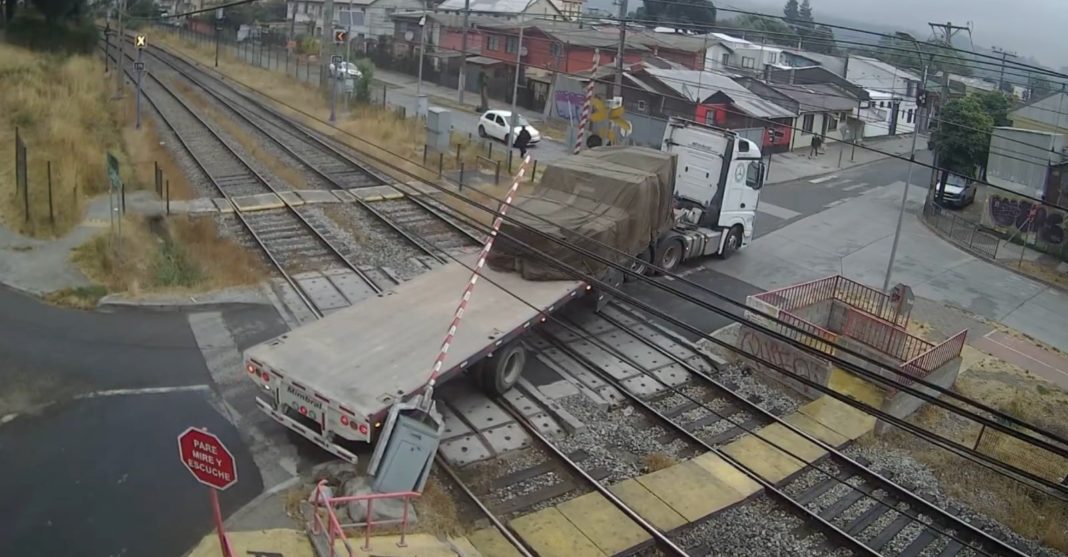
(327, 41)
(947, 31)
(122, 50)
(515, 93)
(1004, 54)
(622, 45)
(463, 52)
(904, 199)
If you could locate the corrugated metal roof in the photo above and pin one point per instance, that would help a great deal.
(699, 86)
(818, 97)
(503, 6)
(887, 67)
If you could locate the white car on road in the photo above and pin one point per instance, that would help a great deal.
(494, 123)
(345, 70)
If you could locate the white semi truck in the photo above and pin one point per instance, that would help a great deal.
(335, 381)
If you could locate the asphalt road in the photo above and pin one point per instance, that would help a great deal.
(91, 407)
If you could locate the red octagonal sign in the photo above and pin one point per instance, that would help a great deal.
(207, 458)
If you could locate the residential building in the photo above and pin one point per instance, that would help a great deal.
(887, 114)
(969, 84)
(739, 54)
(802, 59)
(508, 9)
(1029, 162)
(366, 20)
(822, 109)
(1048, 113)
(877, 75)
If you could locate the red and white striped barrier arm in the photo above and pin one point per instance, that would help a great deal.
(440, 360)
(584, 119)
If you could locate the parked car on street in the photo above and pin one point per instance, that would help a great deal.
(345, 70)
(494, 123)
(957, 191)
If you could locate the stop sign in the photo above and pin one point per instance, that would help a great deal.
(205, 456)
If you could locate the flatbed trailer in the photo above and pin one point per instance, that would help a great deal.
(335, 380)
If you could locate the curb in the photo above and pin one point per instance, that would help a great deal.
(112, 306)
(984, 257)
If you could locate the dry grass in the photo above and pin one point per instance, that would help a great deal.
(657, 461)
(1018, 393)
(64, 113)
(81, 297)
(180, 255)
(291, 176)
(437, 513)
(144, 149)
(1044, 271)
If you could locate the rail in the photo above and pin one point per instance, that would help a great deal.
(938, 356)
(335, 531)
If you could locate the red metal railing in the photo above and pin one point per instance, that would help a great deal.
(334, 529)
(853, 293)
(882, 335)
(938, 356)
(815, 336)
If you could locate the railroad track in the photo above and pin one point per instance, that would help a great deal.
(293, 242)
(414, 219)
(839, 497)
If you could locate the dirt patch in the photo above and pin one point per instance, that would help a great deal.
(437, 511)
(657, 461)
(1044, 271)
(1018, 393)
(178, 255)
(62, 109)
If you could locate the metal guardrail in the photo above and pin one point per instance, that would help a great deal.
(837, 287)
(882, 335)
(965, 232)
(936, 357)
(336, 531)
(814, 336)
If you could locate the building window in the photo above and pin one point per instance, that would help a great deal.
(909, 120)
(641, 106)
(512, 45)
(748, 62)
(807, 122)
(726, 60)
(493, 42)
(556, 50)
(832, 122)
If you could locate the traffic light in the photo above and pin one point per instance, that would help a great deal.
(340, 36)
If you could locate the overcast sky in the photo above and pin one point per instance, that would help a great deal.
(1030, 27)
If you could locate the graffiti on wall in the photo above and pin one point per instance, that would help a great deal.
(782, 356)
(1018, 215)
(569, 105)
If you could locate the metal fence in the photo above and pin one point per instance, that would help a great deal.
(837, 287)
(962, 231)
(21, 179)
(810, 334)
(934, 358)
(882, 335)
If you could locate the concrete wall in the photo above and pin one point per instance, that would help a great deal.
(903, 404)
(786, 357)
(818, 314)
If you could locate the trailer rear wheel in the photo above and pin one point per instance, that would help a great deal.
(669, 254)
(502, 371)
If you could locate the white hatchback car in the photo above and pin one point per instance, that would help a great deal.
(494, 123)
(345, 70)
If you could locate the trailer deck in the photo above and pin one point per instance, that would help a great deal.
(372, 353)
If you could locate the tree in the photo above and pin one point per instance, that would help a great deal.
(790, 11)
(962, 138)
(805, 15)
(820, 39)
(763, 29)
(9, 10)
(680, 14)
(996, 104)
(55, 11)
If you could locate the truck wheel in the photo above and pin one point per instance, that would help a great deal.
(733, 242)
(502, 371)
(640, 265)
(669, 254)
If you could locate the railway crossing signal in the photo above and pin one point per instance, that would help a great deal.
(141, 41)
(340, 36)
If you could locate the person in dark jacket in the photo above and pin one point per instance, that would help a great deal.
(814, 149)
(522, 140)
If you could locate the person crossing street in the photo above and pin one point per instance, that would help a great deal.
(522, 140)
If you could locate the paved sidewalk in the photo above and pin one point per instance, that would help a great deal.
(795, 165)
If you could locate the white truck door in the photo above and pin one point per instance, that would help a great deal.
(697, 175)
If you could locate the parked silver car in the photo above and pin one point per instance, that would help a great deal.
(957, 191)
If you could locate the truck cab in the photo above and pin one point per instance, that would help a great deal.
(718, 179)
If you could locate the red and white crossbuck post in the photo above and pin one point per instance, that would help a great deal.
(212, 464)
(584, 119)
(440, 360)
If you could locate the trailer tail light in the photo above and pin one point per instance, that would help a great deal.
(266, 377)
(344, 420)
(252, 369)
(303, 410)
(363, 429)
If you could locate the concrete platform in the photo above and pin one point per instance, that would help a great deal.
(775, 452)
(816, 429)
(726, 472)
(222, 205)
(295, 543)
(849, 384)
(318, 196)
(649, 506)
(258, 202)
(549, 533)
(291, 198)
(489, 541)
(603, 523)
(690, 490)
(838, 417)
(376, 193)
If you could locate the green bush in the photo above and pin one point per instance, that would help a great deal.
(363, 85)
(308, 45)
(79, 36)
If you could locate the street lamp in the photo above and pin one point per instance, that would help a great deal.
(908, 174)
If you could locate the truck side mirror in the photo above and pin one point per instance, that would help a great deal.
(754, 178)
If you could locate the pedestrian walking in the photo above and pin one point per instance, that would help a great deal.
(521, 141)
(814, 148)
(819, 144)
